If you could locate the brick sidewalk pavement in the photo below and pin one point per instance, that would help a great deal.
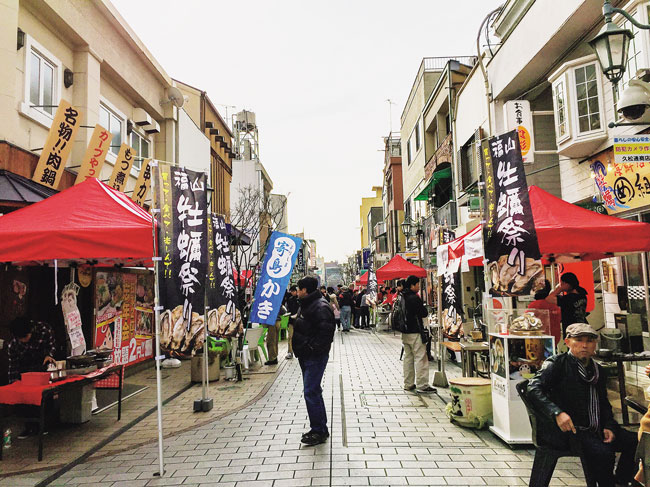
(381, 435)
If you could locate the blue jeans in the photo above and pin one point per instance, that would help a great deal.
(312, 375)
(346, 316)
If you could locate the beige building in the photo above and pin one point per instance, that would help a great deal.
(83, 52)
(365, 207)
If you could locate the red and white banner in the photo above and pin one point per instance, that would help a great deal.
(461, 252)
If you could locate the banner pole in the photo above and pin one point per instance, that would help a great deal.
(156, 259)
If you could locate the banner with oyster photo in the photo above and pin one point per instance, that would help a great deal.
(511, 246)
(183, 248)
(224, 319)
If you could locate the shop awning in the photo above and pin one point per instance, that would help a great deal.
(399, 268)
(461, 252)
(436, 177)
(87, 222)
(16, 190)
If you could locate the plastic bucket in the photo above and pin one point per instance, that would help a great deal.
(610, 338)
(230, 371)
(471, 401)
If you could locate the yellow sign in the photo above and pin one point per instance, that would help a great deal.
(122, 169)
(99, 145)
(634, 148)
(624, 186)
(143, 184)
(58, 145)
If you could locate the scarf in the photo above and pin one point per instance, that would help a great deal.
(590, 377)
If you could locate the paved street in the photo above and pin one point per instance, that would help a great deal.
(381, 435)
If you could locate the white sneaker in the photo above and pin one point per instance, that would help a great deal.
(289, 356)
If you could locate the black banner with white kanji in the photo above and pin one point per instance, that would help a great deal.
(511, 246)
(183, 247)
(452, 310)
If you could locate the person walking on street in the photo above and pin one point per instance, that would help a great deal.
(334, 303)
(312, 339)
(357, 308)
(347, 304)
(364, 311)
(416, 363)
(293, 305)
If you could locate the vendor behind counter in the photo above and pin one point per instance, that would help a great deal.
(31, 349)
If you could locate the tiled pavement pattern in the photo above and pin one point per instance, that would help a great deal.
(66, 444)
(381, 436)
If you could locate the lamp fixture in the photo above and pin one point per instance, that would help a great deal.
(68, 77)
(612, 43)
(406, 226)
(20, 39)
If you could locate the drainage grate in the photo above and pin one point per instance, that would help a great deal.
(396, 400)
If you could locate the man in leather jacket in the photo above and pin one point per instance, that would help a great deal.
(570, 390)
(312, 339)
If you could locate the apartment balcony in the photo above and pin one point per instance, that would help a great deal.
(379, 230)
(446, 215)
(444, 153)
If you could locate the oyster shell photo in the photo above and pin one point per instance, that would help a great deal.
(506, 279)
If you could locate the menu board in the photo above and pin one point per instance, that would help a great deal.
(124, 314)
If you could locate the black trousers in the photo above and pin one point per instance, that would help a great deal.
(364, 316)
(600, 457)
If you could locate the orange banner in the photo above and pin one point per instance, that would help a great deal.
(143, 184)
(99, 145)
(58, 145)
(122, 169)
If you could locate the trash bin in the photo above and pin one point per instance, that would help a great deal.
(471, 402)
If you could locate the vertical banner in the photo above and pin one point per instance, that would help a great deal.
(58, 145)
(93, 160)
(512, 250)
(224, 319)
(518, 117)
(490, 207)
(366, 257)
(279, 259)
(452, 311)
(300, 261)
(143, 184)
(122, 168)
(183, 237)
(371, 291)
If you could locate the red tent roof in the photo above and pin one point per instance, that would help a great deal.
(399, 268)
(363, 280)
(568, 232)
(89, 221)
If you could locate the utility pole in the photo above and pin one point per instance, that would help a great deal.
(390, 115)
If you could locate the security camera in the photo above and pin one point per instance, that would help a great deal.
(635, 100)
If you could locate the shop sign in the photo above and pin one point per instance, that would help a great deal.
(183, 237)
(300, 261)
(98, 147)
(518, 117)
(623, 186)
(279, 260)
(632, 149)
(410, 255)
(143, 184)
(512, 249)
(122, 168)
(224, 319)
(124, 314)
(58, 145)
(452, 310)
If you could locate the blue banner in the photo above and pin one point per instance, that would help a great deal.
(279, 259)
(366, 257)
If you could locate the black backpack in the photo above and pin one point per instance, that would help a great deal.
(398, 315)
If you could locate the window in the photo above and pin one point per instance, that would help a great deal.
(561, 123)
(41, 83)
(408, 151)
(142, 148)
(417, 136)
(587, 98)
(113, 123)
(469, 173)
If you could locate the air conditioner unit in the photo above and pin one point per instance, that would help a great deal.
(141, 118)
(152, 128)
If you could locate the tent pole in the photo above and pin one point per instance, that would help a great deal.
(156, 260)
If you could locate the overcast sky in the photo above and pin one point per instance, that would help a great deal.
(317, 75)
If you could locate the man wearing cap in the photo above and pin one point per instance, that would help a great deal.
(571, 390)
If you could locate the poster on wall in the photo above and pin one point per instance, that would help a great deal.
(183, 237)
(224, 319)
(124, 315)
(622, 186)
(525, 358)
(511, 248)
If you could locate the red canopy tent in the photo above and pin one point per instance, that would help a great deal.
(569, 233)
(89, 221)
(397, 268)
(363, 280)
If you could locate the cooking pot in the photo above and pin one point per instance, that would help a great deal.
(80, 360)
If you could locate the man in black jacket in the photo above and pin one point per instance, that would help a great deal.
(347, 305)
(570, 390)
(312, 338)
(416, 364)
